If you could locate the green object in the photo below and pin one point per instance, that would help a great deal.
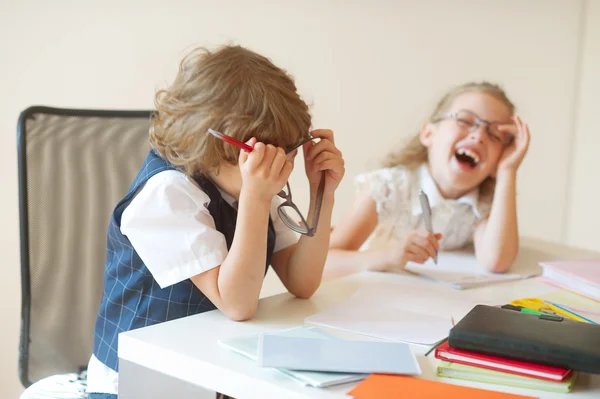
(522, 309)
(470, 373)
(530, 311)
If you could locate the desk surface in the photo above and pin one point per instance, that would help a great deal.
(188, 350)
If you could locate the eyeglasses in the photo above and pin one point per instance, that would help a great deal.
(288, 212)
(468, 120)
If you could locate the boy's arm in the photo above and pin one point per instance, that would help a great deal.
(234, 286)
(342, 256)
(497, 238)
(300, 267)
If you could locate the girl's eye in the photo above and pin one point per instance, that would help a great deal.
(465, 123)
(496, 135)
(495, 138)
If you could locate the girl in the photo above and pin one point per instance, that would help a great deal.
(465, 158)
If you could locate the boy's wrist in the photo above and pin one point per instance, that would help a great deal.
(328, 196)
(326, 205)
(256, 199)
(313, 188)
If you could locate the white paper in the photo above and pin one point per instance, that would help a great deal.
(461, 270)
(409, 315)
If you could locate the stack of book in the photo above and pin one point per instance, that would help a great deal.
(473, 366)
(529, 350)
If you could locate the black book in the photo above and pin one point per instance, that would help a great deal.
(545, 339)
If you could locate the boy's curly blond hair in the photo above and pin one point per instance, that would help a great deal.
(232, 90)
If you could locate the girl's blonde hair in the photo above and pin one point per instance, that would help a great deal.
(414, 153)
(232, 90)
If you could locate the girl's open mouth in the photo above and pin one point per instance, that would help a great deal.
(467, 158)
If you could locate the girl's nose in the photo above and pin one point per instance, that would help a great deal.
(478, 133)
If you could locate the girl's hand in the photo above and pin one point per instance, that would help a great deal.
(513, 154)
(264, 171)
(417, 247)
(323, 156)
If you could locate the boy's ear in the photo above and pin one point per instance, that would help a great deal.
(425, 134)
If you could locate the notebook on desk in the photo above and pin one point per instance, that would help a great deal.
(248, 347)
(543, 339)
(497, 363)
(580, 276)
(336, 355)
(470, 373)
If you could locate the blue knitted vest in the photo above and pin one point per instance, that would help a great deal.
(131, 297)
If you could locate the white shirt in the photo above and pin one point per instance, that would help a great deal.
(395, 191)
(171, 229)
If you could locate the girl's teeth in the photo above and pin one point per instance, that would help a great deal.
(469, 153)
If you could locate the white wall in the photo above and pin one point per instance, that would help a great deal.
(372, 71)
(583, 218)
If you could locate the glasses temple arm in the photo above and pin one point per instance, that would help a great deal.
(319, 202)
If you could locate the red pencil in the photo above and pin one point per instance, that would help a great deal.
(230, 140)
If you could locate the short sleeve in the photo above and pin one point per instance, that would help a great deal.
(171, 229)
(389, 188)
(284, 236)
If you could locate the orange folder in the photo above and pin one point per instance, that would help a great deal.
(380, 386)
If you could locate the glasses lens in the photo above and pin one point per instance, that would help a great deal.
(292, 219)
(466, 120)
(500, 136)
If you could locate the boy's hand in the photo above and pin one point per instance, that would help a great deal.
(264, 171)
(323, 156)
(513, 155)
(417, 247)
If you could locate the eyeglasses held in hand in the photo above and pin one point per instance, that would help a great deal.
(469, 121)
(288, 211)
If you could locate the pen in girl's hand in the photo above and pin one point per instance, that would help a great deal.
(426, 209)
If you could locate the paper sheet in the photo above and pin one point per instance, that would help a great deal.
(411, 315)
(461, 270)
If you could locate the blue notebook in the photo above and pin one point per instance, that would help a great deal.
(336, 355)
(248, 347)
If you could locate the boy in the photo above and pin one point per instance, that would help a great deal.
(199, 226)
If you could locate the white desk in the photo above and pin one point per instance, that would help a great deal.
(185, 352)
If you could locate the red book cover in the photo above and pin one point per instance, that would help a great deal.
(497, 363)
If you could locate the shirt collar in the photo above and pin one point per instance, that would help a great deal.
(427, 184)
(228, 198)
